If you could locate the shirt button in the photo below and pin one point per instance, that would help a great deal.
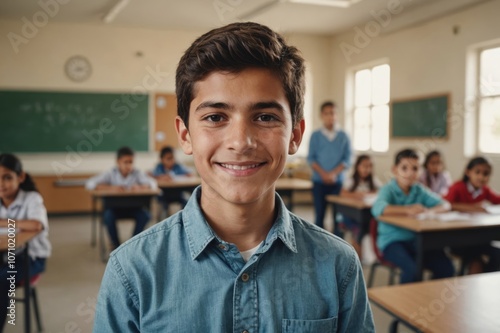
(245, 277)
(222, 247)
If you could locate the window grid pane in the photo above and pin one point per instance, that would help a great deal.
(489, 77)
(362, 129)
(380, 128)
(489, 125)
(371, 112)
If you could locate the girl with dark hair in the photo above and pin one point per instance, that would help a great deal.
(22, 208)
(472, 194)
(434, 176)
(360, 185)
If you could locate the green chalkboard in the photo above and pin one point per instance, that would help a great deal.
(425, 117)
(36, 121)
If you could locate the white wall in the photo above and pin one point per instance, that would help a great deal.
(39, 65)
(425, 60)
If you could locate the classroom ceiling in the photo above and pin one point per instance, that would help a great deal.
(283, 15)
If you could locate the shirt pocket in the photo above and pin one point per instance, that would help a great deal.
(309, 326)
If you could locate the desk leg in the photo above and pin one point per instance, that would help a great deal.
(27, 291)
(102, 245)
(420, 257)
(93, 235)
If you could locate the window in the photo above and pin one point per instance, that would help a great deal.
(489, 101)
(370, 116)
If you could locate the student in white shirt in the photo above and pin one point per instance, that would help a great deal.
(22, 209)
(359, 185)
(123, 177)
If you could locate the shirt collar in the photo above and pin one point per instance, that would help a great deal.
(472, 190)
(199, 233)
(18, 201)
(398, 189)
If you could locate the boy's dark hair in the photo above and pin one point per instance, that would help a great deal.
(428, 157)
(232, 49)
(124, 151)
(357, 178)
(166, 150)
(11, 162)
(475, 162)
(327, 104)
(405, 153)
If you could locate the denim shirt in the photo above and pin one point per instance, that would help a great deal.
(179, 276)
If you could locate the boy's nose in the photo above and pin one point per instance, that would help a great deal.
(241, 137)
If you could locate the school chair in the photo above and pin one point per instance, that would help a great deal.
(380, 261)
(34, 300)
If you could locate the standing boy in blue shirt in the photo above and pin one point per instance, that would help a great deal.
(235, 259)
(329, 155)
(123, 177)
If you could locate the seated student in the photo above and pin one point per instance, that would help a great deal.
(470, 195)
(23, 205)
(167, 170)
(403, 195)
(123, 177)
(235, 259)
(359, 185)
(434, 176)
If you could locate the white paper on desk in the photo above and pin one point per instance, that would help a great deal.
(370, 199)
(448, 216)
(493, 209)
(5, 231)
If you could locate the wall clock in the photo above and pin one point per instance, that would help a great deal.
(78, 68)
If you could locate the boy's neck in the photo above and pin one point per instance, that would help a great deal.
(246, 226)
(405, 189)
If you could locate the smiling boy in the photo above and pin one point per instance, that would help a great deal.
(235, 259)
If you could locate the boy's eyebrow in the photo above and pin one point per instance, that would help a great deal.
(253, 107)
(213, 105)
(268, 105)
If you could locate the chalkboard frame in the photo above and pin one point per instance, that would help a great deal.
(397, 103)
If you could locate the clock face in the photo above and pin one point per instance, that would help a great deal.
(78, 68)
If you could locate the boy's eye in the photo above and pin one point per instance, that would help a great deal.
(266, 118)
(214, 118)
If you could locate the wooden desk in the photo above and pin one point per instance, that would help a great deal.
(435, 234)
(117, 199)
(459, 305)
(356, 209)
(284, 186)
(22, 241)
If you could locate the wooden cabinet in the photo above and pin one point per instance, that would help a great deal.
(67, 196)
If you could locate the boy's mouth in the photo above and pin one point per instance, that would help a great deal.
(240, 167)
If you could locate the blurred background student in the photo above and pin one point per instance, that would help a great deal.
(169, 170)
(472, 194)
(21, 202)
(360, 185)
(123, 177)
(403, 195)
(329, 155)
(433, 175)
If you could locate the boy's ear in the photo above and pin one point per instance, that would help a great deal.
(183, 136)
(393, 169)
(296, 138)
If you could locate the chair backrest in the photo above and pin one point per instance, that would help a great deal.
(373, 236)
(33, 281)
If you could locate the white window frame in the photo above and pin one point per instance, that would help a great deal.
(350, 104)
(470, 118)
